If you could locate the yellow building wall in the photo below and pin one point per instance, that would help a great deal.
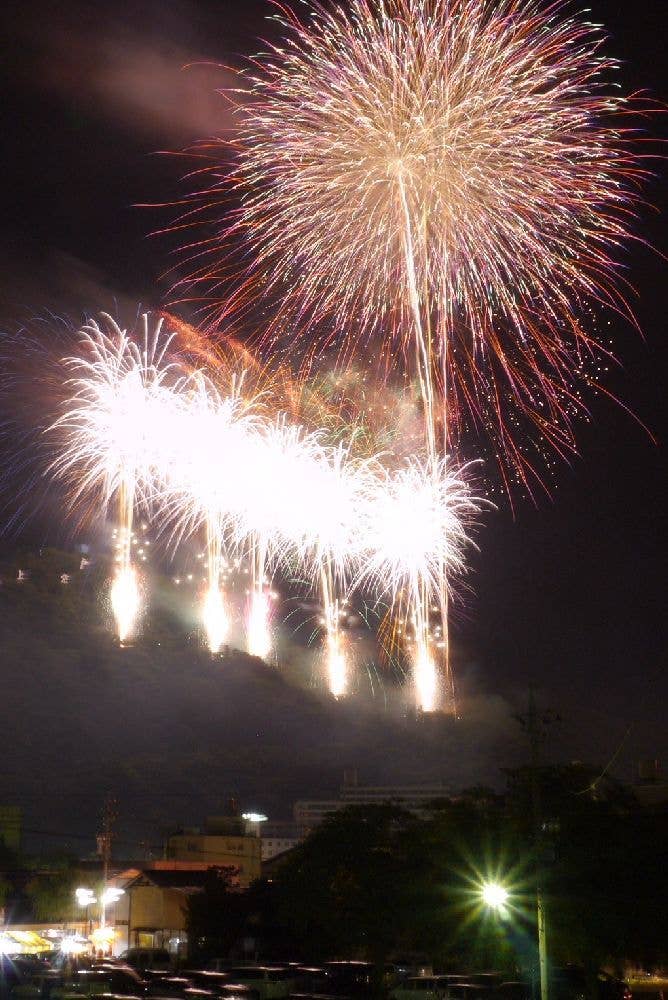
(244, 853)
(160, 908)
(147, 909)
(174, 903)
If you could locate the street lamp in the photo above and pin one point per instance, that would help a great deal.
(253, 822)
(110, 895)
(494, 896)
(85, 897)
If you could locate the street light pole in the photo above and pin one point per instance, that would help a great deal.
(535, 732)
(542, 944)
(108, 895)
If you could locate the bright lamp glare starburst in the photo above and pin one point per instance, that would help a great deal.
(494, 895)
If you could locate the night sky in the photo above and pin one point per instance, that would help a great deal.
(568, 593)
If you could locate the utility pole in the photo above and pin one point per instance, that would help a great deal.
(104, 848)
(535, 728)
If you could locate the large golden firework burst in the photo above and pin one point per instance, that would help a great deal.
(454, 175)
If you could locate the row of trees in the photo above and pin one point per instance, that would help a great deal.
(39, 889)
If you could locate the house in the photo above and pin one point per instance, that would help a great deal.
(151, 913)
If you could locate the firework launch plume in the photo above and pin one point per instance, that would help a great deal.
(116, 434)
(202, 486)
(414, 541)
(142, 427)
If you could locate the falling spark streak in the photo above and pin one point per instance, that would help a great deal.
(424, 665)
(258, 633)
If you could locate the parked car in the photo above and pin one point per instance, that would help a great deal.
(218, 985)
(169, 986)
(468, 991)
(93, 982)
(18, 974)
(319, 996)
(47, 981)
(490, 980)
(238, 991)
(271, 982)
(570, 983)
(514, 990)
(307, 979)
(643, 991)
(142, 959)
(347, 978)
(419, 988)
(206, 979)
